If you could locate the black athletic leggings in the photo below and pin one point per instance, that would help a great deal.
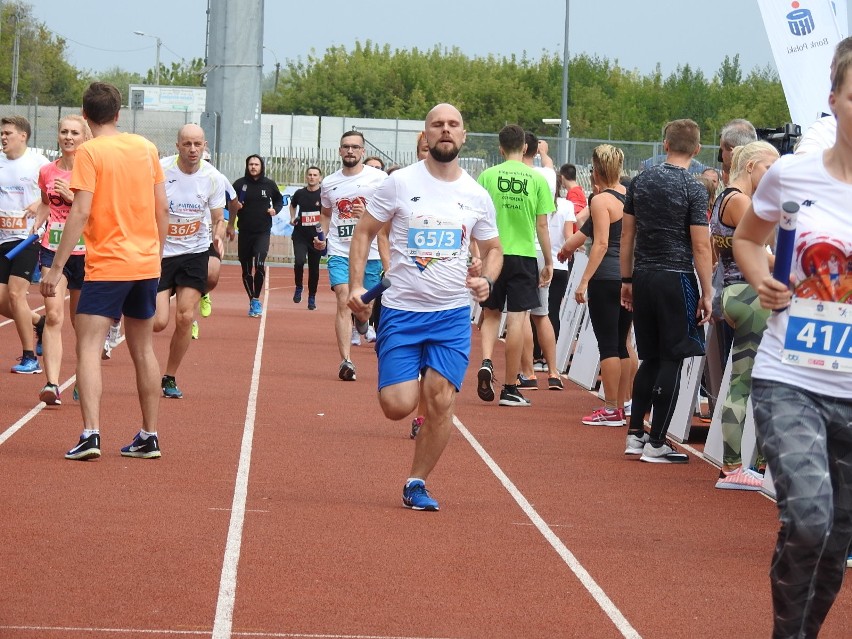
(303, 250)
(252, 249)
(610, 320)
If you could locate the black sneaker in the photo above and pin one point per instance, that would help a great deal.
(142, 448)
(312, 303)
(485, 377)
(511, 396)
(87, 448)
(346, 372)
(554, 383)
(527, 383)
(297, 295)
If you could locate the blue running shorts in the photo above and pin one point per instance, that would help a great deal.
(408, 342)
(338, 271)
(136, 299)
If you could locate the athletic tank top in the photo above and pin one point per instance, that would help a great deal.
(723, 237)
(610, 266)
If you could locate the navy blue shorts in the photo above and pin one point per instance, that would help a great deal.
(137, 299)
(407, 343)
(74, 269)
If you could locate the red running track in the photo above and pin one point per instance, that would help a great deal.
(275, 510)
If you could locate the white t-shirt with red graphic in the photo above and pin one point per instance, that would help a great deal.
(338, 193)
(432, 223)
(190, 196)
(810, 344)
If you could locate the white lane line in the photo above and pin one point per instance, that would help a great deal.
(18, 425)
(597, 593)
(195, 633)
(224, 619)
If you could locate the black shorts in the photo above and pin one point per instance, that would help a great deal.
(74, 269)
(517, 287)
(24, 264)
(664, 321)
(184, 271)
(212, 252)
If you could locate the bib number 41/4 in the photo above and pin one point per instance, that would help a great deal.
(819, 335)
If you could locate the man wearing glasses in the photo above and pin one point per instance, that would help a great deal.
(345, 197)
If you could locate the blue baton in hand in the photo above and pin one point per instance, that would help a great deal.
(321, 238)
(11, 255)
(368, 297)
(785, 242)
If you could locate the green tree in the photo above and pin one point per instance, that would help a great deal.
(179, 74)
(44, 75)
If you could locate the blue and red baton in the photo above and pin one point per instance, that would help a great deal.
(11, 255)
(241, 196)
(321, 238)
(368, 297)
(785, 243)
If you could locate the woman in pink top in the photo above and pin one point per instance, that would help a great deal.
(56, 198)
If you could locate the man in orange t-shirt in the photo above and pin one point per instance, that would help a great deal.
(120, 208)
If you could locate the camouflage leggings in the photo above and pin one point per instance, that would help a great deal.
(742, 311)
(807, 440)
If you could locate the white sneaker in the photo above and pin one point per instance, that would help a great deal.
(356, 337)
(665, 454)
(370, 336)
(107, 352)
(114, 334)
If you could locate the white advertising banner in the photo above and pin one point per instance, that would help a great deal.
(802, 34)
(841, 13)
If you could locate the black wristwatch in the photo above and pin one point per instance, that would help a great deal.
(490, 283)
(627, 280)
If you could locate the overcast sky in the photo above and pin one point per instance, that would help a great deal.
(637, 34)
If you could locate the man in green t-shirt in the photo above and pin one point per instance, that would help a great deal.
(523, 201)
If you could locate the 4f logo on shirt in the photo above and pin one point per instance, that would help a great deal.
(808, 202)
(512, 185)
(416, 198)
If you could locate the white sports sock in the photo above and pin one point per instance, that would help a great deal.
(144, 434)
(87, 432)
(411, 479)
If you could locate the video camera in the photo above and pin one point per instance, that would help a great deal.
(783, 138)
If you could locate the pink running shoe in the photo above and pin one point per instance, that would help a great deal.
(605, 417)
(740, 479)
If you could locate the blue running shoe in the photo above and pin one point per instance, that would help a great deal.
(39, 331)
(87, 448)
(312, 303)
(27, 366)
(255, 308)
(416, 497)
(170, 389)
(297, 295)
(148, 448)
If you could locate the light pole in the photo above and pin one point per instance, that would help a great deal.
(563, 124)
(277, 65)
(159, 44)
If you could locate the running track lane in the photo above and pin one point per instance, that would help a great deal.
(326, 549)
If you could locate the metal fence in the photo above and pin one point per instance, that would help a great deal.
(284, 145)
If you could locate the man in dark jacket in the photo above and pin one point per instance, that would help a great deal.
(258, 199)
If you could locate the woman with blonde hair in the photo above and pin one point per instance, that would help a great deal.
(56, 197)
(741, 308)
(601, 282)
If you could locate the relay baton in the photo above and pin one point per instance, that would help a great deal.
(368, 297)
(785, 243)
(11, 255)
(241, 196)
(321, 238)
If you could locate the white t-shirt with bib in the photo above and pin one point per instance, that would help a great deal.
(191, 196)
(432, 224)
(339, 193)
(822, 265)
(18, 189)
